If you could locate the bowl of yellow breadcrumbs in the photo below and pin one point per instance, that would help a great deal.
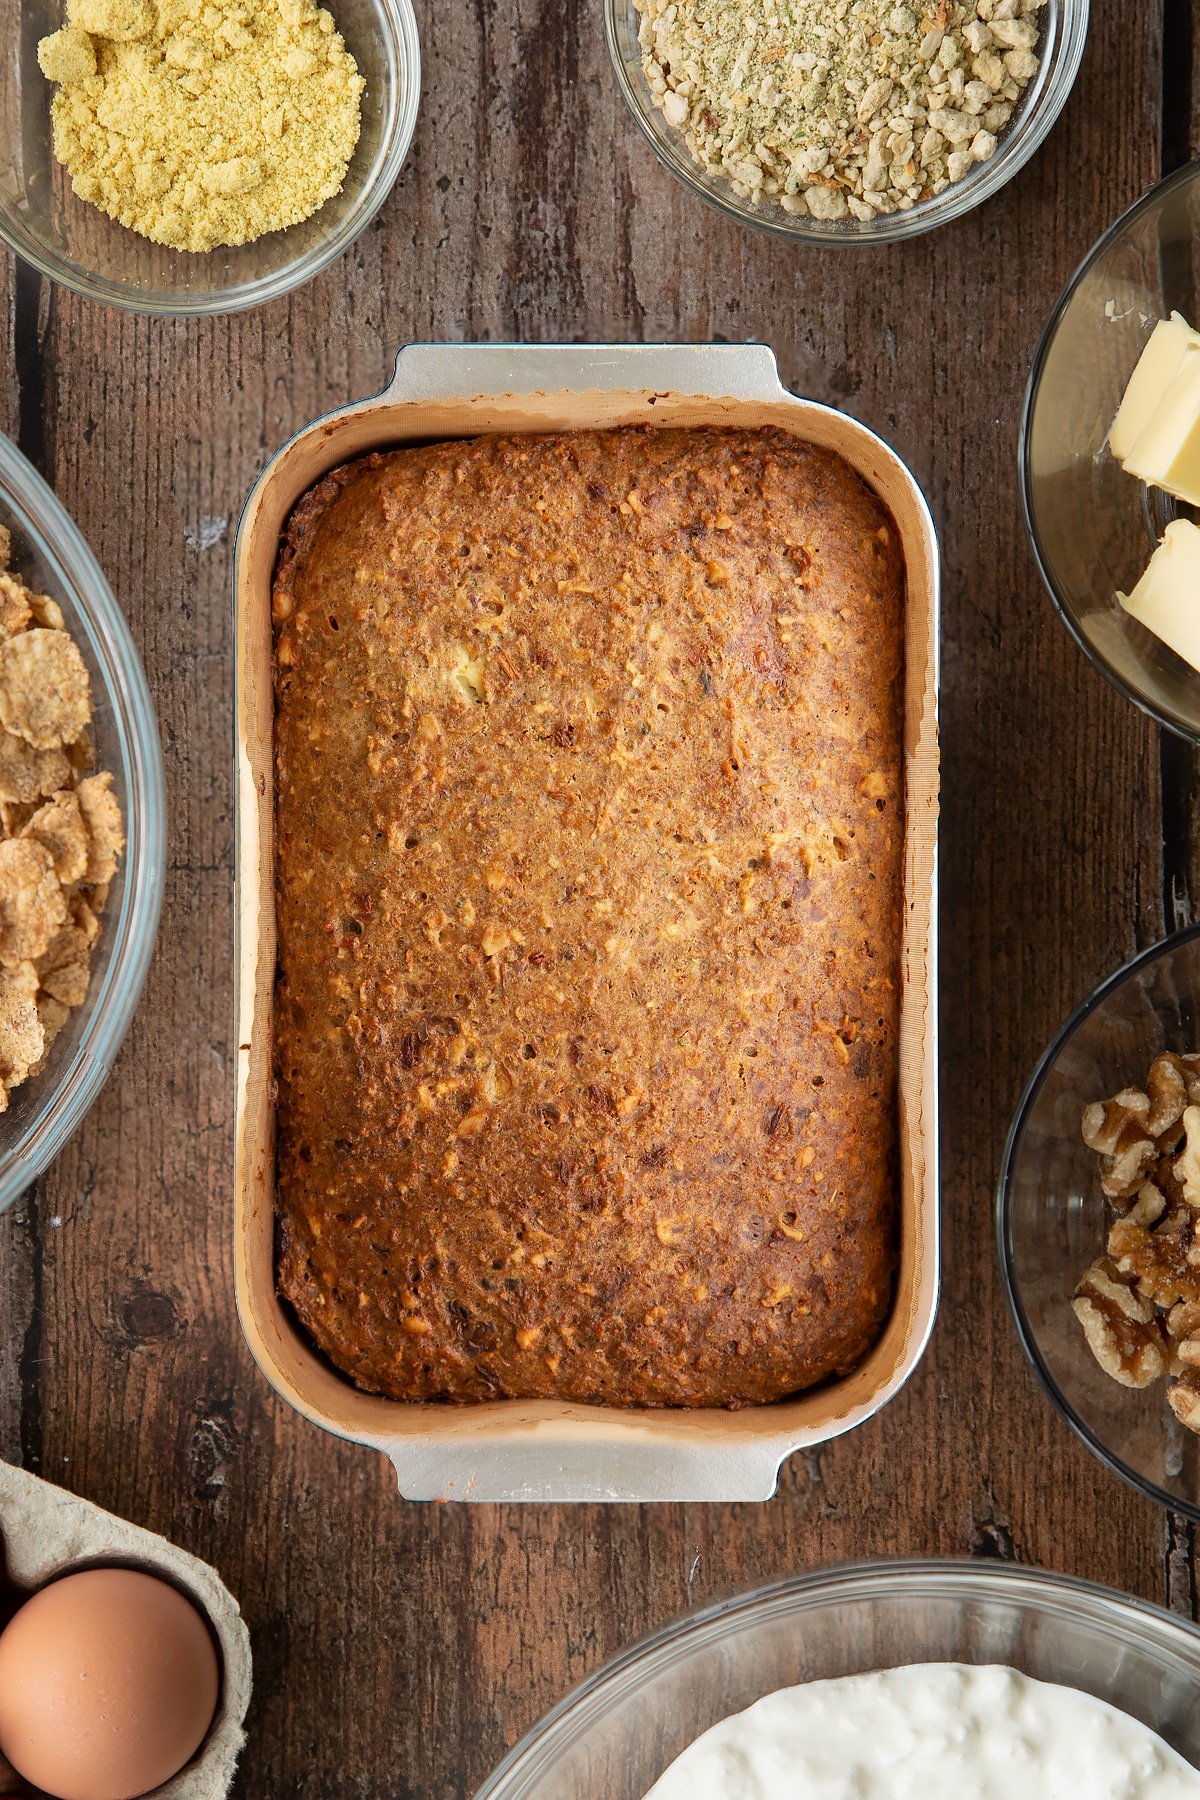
(169, 157)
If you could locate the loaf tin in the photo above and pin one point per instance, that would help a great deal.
(552, 1450)
(46, 1532)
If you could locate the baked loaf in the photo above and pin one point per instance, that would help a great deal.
(589, 833)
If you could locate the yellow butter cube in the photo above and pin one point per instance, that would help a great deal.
(1167, 454)
(1151, 382)
(1167, 598)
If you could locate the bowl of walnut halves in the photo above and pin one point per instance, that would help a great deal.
(1099, 1221)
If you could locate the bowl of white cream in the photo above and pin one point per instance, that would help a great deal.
(884, 1681)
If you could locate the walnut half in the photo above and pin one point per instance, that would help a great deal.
(1123, 1331)
(1187, 1168)
(1164, 1263)
(1117, 1131)
(1184, 1397)
(1138, 1127)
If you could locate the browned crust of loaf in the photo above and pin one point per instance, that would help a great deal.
(588, 987)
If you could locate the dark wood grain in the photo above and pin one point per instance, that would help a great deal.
(400, 1649)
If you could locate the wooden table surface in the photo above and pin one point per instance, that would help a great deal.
(400, 1649)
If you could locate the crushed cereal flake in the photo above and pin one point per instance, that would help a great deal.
(22, 1037)
(46, 612)
(200, 126)
(63, 970)
(53, 1016)
(102, 815)
(15, 609)
(24, 977)
(45, 694)
(26, 774)
(839, 109)
(59, 826)
(31, 900)
(85, 916)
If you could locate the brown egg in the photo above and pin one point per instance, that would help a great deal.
(108, 1683)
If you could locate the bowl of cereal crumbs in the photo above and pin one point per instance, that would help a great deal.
(172, 159)
(82, 826)
(850, 121)
(1099, 1221)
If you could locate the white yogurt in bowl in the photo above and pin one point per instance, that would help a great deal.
(929, 1731)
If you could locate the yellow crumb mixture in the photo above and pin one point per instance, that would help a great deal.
(203, 122)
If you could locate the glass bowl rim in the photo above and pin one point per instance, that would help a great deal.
(1144, 959)
(223, 302)
(108, 1012)
(892, 228)
(1190, 171)
(659, 1648)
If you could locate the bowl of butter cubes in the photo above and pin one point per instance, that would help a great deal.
(1110, 454)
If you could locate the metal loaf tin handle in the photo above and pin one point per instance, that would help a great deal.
(555, 1454)
(432, 372)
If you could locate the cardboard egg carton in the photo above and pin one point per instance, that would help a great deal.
(45, 1532)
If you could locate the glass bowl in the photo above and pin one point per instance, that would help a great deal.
(1093, 528)
(76, 244)
(52, 557)
(1052, 1220)
(615, 1734)
(1064, 26)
